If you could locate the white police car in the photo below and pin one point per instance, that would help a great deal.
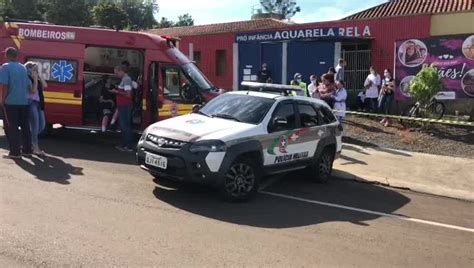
(240, 136)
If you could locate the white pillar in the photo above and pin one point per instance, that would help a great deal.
(284, 63)
(235, 66)
(191, 51)
(337, 53)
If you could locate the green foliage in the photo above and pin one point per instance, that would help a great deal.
(21, 9)
(110, 15)
(165, 23)
(185, 20)
(141, 13)
(426, 84)
(55, 11)
(286, 8)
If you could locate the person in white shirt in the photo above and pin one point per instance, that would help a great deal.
(340, 97)
(313, 87)
(371, 85)
(340, 70)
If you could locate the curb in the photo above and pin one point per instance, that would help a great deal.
(418, 188)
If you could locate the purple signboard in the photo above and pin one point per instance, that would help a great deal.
(454, 56)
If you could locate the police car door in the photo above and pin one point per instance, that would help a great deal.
(286, 145)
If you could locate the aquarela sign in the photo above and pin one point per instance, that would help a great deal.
(310, 33)
(453, 55)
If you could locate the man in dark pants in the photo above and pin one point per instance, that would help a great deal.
(15, 83)
(124, 106)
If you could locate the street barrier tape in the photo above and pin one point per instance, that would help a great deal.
(426, 120)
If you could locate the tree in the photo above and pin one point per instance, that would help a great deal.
(110, 15)
(165, 23)
(285, 8)
(21, 9)
(185, 20)
(141, 14)
(426, 84)
(75, 13)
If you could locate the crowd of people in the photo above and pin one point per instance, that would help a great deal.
(22, 102)
(376, 97)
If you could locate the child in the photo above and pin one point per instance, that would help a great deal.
(107, 103)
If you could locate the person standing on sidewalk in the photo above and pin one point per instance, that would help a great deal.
(340, 69)
(264, 74)
(372, 84)
(36, 106)
(313, 87)
(124, 106)
(340, 97)
(14, 79)
(386, 96)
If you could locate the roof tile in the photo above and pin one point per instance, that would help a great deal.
(412, 7)
(229, 27)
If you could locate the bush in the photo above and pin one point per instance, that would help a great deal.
(426, 84)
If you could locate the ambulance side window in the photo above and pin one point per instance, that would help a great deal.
(170, 82)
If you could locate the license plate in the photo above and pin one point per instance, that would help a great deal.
(156, 161)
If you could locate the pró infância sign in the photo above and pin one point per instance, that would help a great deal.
(312, 33)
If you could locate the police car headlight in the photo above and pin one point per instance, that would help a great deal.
(143, 137)
(208, 146)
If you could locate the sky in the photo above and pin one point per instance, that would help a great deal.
(215, 11)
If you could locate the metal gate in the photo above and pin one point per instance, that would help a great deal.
(357, 69)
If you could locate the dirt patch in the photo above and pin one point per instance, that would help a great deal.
(431, 138)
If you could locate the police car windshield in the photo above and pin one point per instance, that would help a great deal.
(193, 72)
(241, 108)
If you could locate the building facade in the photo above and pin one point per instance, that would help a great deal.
(230, 53)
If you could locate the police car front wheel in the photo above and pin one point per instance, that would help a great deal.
(240, 181)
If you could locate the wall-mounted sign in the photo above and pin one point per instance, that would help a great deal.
(312, 33)
(454, 56)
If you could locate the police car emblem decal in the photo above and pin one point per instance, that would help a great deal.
(284, 140)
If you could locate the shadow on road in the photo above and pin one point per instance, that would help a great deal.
(275, 212)
(75, 144)
(50, 169)
(354, 141)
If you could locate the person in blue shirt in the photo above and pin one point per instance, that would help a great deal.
(16, 86)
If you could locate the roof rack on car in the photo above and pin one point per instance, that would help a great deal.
(266, 87)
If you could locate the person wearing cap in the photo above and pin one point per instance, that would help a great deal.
(298, 78)
(15, 81)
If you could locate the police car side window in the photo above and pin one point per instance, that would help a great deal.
(285, 111)
(325, 115)
(308, 115)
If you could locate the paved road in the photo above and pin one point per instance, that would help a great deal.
(87, 204)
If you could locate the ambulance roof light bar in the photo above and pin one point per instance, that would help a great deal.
(266, 87)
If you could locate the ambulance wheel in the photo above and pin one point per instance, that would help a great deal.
(241, 181)
(322, 169)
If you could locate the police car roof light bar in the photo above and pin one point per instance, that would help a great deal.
(266, 87)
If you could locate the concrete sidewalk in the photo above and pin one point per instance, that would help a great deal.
(439, 175)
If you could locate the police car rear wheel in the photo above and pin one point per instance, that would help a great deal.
(323, 167)
(240, 181)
